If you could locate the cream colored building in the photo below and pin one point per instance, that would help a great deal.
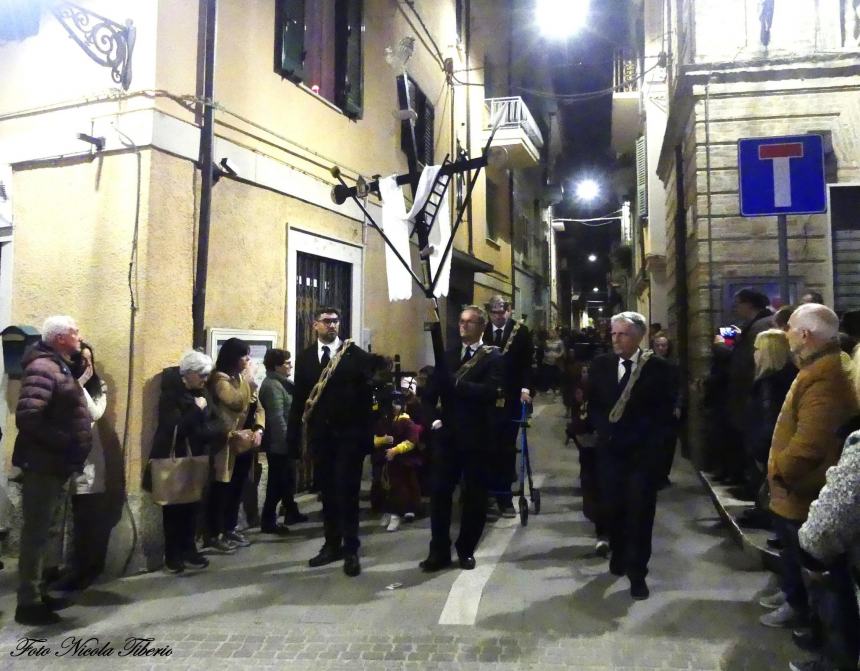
(109, 235)
(737, 69)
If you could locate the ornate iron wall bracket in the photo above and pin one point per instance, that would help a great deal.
(108, 43)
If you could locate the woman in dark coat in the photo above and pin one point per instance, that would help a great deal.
(184, 411)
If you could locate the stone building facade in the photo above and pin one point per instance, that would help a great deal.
(736, 69)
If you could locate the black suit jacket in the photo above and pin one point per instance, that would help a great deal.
(517, 360)
(346, 404)
(648, 412)
(470, 418)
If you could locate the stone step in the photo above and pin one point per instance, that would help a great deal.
(752, 541)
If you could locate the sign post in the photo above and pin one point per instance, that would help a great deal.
(781, 176)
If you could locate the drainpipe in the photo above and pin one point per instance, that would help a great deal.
(468, 17)
(198, 305)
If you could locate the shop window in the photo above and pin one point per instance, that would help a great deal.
(318, 44)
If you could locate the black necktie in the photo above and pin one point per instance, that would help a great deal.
(498, 338)
(324, 359)
(466, 355)
(628, 368)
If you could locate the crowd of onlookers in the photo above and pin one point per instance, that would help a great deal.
(781, 406)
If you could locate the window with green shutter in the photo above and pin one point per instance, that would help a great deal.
(425, 119)
(318, 43)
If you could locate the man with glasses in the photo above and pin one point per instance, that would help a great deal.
(514, 341)
(332, 403)
(464, 441)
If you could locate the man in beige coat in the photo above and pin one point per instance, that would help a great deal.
(805, 444)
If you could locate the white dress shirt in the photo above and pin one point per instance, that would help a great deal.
(634, 359)
(333, 347)
(475, 346)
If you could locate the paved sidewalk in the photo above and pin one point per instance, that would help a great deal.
(547, 602)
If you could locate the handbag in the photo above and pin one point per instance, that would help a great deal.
(178, 479)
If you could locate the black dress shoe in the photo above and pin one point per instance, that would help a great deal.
(56, 603)
(467, 562)
(351, 565)
(36, 615)
(809, 640)
(616, 567)
(435, 563)
(295, 517)
(326, 556)
(274, 529)
(639, 589)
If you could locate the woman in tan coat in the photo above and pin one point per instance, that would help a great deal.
(234, 395)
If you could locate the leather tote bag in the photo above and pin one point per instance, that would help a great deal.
(178, 479)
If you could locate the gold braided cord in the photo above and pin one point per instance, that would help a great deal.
(621, 403)
(320, 386)
(511, 337)
(463, 370)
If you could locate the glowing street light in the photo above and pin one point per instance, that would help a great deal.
(587, 190)
(592, 257)
(595, 290)
(558, 19)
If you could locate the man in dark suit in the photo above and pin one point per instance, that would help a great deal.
(514, 341)
(631, 401)
(335, 411)
(464, 440)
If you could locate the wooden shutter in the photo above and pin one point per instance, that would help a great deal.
(427, 140)
(349, 64)
(290, 39)
(641, 177)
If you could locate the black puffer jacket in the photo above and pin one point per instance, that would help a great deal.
(177, 409)
(54, 434)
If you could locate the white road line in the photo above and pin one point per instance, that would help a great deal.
(465, 595)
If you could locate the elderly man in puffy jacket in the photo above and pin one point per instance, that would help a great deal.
(54, 438)
(805, 444)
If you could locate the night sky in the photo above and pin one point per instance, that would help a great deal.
(584, 64)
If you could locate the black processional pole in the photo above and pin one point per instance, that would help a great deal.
(341, 192)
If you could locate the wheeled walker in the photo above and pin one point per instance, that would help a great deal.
(526, 471)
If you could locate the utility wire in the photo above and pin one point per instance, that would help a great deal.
(441, 59)
(587, 95)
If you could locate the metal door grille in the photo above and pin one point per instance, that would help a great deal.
(321, 282)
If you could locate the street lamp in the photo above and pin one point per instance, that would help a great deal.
(558, 19)
(587, 190)
(592, 257)
(595, 290)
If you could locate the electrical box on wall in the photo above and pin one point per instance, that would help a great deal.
(16, 340)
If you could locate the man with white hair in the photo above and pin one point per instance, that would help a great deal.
(805, 444)
(54, 439)
(631, 398)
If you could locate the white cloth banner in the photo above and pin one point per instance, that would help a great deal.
(396, 224)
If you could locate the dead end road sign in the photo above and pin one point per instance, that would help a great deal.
(781, 175)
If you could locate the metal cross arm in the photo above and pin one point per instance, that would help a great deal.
(342, 192)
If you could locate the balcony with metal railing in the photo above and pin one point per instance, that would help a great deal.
(518, 133)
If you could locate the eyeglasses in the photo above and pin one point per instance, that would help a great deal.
(469, 321)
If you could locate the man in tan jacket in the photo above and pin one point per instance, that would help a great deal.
(805, 443)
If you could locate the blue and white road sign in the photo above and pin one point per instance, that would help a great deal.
(781, 175)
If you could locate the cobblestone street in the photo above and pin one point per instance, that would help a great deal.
(538, 599)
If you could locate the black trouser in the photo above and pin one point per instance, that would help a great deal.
(338, 460)
(280, 487)
(90, 534)
(504, 466)
(179, 527)
(628, 497)
(835, 604)
(226, 497)
(450, 466)
(791, 578)
(670, 442)
(589, 481)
